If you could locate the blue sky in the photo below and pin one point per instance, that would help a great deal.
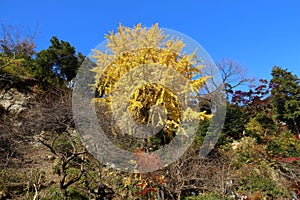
(258, 34)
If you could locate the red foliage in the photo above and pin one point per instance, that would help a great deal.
(287, 160)
(147, 161)
(257, 196)
(256, 100)
(36, 89)
(160, 180)
(141, 184)
(146, 191)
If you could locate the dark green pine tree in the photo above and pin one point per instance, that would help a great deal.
(59, 61)
(285, 97)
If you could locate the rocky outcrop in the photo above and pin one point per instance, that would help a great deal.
(13, 101)
(15, 93)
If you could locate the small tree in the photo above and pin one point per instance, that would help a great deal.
(255, 100)
(52, 121)
(14, 44)
(16, 51)
(70, 161)
(233, 74)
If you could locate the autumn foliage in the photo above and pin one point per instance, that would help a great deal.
(138, 49)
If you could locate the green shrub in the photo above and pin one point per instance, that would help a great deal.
(265, 185)
(53, 193)
(245, 151)
(284, 145)
(75, 194)
(12, 180)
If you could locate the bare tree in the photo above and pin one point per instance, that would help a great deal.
(192, 176)
(14, 43)
(68, 156)
(227, 74)
(233, 74)
(58, 135)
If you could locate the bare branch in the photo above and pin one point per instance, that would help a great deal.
(233, 73)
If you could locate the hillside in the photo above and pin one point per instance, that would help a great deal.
(257, 155)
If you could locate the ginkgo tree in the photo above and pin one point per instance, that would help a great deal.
(131, 49)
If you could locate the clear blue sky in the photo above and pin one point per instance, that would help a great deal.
(258, 34)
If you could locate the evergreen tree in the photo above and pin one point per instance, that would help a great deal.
(59, 61)
(285, 97)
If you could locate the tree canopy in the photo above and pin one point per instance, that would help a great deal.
(132, 48)
(285, 97)
(58, 60)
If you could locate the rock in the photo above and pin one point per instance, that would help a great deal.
(50, 157)
(13, 101)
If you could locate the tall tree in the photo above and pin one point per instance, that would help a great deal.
(132, 48)
(59, 60)
(285, 97)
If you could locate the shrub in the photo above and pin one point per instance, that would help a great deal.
(284, 145)
(75, 194)
(265, 185)
(53, 193)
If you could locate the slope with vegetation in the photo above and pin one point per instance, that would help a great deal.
(42, 157)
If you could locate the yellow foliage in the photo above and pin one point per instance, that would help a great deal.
(254, 126)
(15, 66)
(132, 48)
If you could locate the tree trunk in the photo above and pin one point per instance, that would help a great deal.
(179, 196)
(63, 194)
